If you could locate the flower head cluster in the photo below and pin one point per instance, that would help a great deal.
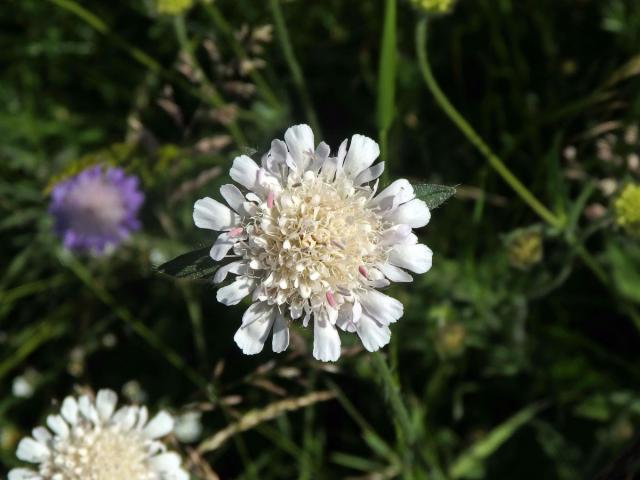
(627, 209)
(434, 6)
(309, 239)
(90, 440)
(96, 209)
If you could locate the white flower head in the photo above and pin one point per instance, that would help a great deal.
(309, 239)
(91, 440)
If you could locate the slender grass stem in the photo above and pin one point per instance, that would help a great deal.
(400, 414)
(294, 66)
(386, 81)
(136, 325)
(496, 163)
(210, 97)
(223, 26)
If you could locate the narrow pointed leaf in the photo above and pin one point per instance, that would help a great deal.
(434, 195)
(193, 265)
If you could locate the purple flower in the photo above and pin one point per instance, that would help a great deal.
(96, 209)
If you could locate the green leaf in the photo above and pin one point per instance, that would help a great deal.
(471, 462)
(625, 262)
(387, 68)
(193, 265)
(434, 195)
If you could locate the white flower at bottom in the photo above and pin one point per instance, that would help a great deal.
(90, 440)
(311, 239)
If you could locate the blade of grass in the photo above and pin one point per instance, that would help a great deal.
(294, 66)
(387, 79)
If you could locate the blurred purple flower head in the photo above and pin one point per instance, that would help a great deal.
(96, 209)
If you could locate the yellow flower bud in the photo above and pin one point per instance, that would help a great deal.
(434, 6)
(627, 209)
(173, 7)
(524, 248)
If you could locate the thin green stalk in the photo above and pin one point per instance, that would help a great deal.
(496, 163)
(216, 98)
(294, 66)
(223, 26)
(400, 414)
(387, 80)
(147, 61)
(138, 327)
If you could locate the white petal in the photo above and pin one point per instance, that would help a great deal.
(299, 139)
(42, 435)
(165, 462)
(244, 171)
(224, 270)
(233, 196)
(326, 340)
(58, 426)
(280, 340)
(251, 337)
(321, 155)
(222, 245)
(416, 258)
(363, 151)
(397, 193)
(369, 174)
(211, 214)
(126, 417)
(23, 474)
(395, 234)
(373, 335)
(233, 293)
(394, 273)
(31, 451)
(106, 403)
(69, 410)
(381, 307)
(414, 213)
(257, 311)
(159, 426)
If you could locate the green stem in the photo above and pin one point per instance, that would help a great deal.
(216, 99)
(294, 66)
(137, 326)
(223, 26)
(386, 82)
(146, 61)
(496, 163)
(400, 414)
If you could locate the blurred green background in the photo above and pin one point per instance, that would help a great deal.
(519, 352)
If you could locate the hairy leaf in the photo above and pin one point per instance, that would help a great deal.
(196, 264)
(434, 195)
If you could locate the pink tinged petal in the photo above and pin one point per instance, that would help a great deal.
(23, 474)
(31, 451)
(221, 246)
(244, 171)
(369, 174)
(224, 270)
(299, 139)
(373, 335)
(233, 196)
(236, 232)
(251, 336)
(399, 192)
(417, 258)
(165, 463)
(394, 273)
(270, 198)
(414, 213)
(363, 151)
(280, 340)
(213, 215)
(232, 294)
(159, 426)
(106, 403)
(331, 300)
(58, 426)
(326, 340)
(381, 307)
(363, 271)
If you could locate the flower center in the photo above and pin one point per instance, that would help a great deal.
(99, 453)
(313, 240)
(97, 208)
